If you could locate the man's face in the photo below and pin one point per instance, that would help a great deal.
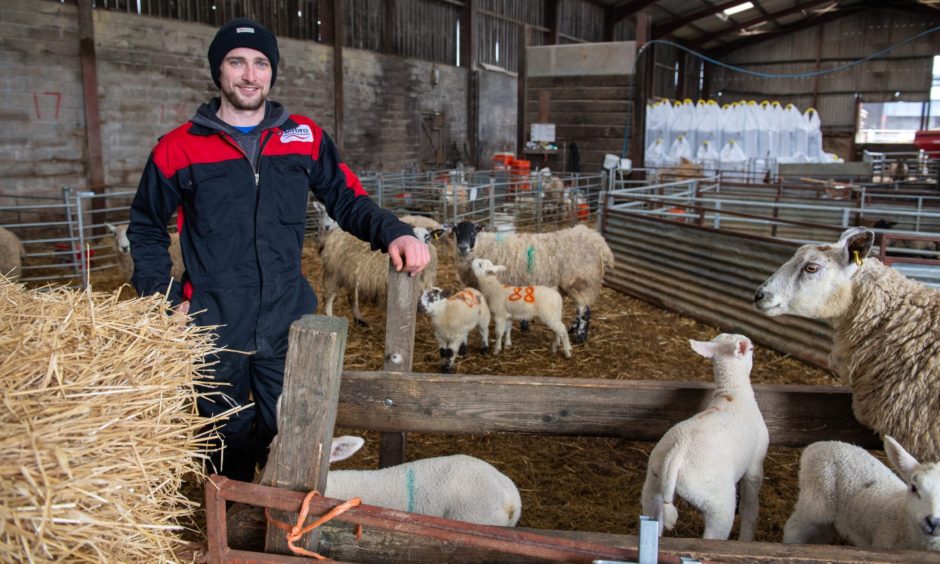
(245, 78)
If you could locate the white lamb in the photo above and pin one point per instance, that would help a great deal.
(703, 458)
(350, 264)
(453, 317)
(11, 253)
(122, 248)
(846, 492)
(884, 338)
(458, 487)
(573, 260)
(523, 303)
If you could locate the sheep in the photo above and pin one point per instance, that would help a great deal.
(702, 458)
(122, 249)
(572, 260)
(510, 302)
(458, 487)
(884, 339)
(349, 263)
(846, 492)
(453, 317)
(11, 253)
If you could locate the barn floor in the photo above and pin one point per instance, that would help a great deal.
(574, 483)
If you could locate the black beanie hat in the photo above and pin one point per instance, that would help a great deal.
(242, 32)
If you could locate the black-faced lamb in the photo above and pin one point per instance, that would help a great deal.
(122, 249)
(11, 253)
(847, 493)
(573, 260)
(702, 458)
(350, 264)
(453, 318)
(520, 302)
(884, 339)
(458, 487)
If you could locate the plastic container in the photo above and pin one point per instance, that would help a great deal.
(519, 171)
(503, 161)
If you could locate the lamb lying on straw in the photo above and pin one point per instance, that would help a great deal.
(98, 425)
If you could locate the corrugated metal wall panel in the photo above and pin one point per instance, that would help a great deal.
(711, 276)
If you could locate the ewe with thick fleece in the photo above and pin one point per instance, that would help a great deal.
(350, 263)
(453, 317)
(572, 260)
(122, 248)
(702, 459)
(884, 339)
(458, 487)
(523, 303)
(11, 253)
(846, 492)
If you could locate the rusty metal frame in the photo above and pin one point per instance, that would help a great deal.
(509, 540)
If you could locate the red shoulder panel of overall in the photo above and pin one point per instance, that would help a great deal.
(300, 136)
(179, 149)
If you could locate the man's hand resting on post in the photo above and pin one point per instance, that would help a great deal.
(414, 252)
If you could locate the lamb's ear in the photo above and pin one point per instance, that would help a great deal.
(111, 227)
(857, 240)
(902, 461)
(704, 348)
(344, 447)
(499, 268)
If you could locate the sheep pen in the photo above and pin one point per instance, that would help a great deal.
(576, 483)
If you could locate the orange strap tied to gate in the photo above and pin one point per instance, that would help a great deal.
(294, 532)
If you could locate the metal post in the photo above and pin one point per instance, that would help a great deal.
(70, 219)
(380, 190)
(492, 201)
(649, 540)
(539, 200)
(82, 258)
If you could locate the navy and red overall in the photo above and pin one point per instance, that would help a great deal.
(241, 201)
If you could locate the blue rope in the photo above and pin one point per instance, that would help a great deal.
(762, 74)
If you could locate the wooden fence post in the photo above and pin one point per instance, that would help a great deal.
(316, 345)
(399, 350)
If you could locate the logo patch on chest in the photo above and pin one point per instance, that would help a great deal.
(301, 133)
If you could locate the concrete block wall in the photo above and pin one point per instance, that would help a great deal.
(153, 74)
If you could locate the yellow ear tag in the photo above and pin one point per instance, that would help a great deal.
(858, 259)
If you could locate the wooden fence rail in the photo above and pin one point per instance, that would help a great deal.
(641, 410)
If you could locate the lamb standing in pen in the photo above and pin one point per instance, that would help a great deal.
(523, 303)
(846, 492)
(453, 317)
(350, 264)
(11, 253)
(702, 459)
(122, 248)
(458, 487)
(573, 260)
(884, 339)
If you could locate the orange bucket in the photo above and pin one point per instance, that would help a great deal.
(502, 161)
(520, 171)
(584, 211)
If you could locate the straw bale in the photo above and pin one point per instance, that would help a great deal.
(98, 425)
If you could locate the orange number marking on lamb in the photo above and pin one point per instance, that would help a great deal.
(517, 295)
(468, 297)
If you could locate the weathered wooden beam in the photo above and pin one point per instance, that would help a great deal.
(338, 541)
(641, 410)
(401, 311)
(339, 36)
(525, 36)
(307, 413)
(86, 30)
(391, 23)
(552, 21)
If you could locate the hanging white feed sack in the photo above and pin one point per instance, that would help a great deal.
(733, 156)
(655, 153)
(813, 129)
(681, 149)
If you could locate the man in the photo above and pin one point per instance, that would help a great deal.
(238, 176)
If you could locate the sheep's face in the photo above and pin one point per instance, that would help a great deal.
(423, 234)
(816, 282)
(430, 297)
(923, 489)
(121, 241)
(483, 267)
(466, 234)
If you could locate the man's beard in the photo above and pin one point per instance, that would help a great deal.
(232, 96)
